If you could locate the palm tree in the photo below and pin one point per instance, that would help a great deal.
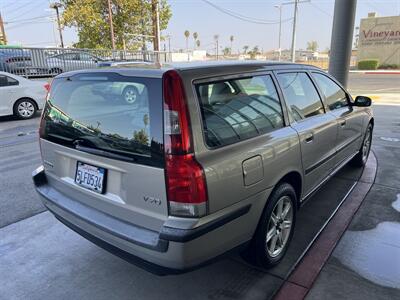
(195, 36)
(216, 38)
(231, 38)
(226, 51)
(198, 43)
(245, 48)
(187, 34)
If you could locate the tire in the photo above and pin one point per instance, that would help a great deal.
(362, 156)
(130, 95)
(262, 251)
(25, 109)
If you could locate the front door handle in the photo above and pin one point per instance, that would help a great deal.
(342, 123)
(309, 138)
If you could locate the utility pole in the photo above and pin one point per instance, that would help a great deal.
(169, 43)
(156, 24)
(57, 6)
(293, 55)
(280, 31)
(342, 37)
(110, 20)
(296, 3)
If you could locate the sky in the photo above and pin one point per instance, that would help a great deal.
(30, 22)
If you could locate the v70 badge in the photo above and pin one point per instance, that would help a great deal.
(152, 200)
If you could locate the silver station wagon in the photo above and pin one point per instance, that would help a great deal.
(200, 159)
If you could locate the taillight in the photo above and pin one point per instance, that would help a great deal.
(185, 181)
(47, 87)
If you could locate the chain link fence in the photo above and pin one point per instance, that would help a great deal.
(48, 62)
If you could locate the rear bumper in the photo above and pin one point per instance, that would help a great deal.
(169, 251)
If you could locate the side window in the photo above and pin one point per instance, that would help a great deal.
(300, 95)
(12, 81)
(335, 96)
(238, 109)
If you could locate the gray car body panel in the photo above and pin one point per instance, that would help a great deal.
(240, 177)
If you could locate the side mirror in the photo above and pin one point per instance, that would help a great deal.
(362, 101)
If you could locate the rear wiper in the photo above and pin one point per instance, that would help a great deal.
(104, 153)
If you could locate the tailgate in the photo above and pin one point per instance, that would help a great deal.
(102, 146)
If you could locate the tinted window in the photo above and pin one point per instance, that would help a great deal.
(7, 81)
(108, 112)
(334, 95)
(239, 109)
(300, 95)
(87, 57)
(69, 56)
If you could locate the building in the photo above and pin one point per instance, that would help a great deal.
(379, 38)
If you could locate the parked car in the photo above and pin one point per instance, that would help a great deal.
(70, 61)
(216, 156)
(21, 97)
(19, 62)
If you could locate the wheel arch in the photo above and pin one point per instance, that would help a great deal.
(27, 98)
(295, 179)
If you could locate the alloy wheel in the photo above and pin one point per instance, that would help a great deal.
(130, 96)
(366, 147)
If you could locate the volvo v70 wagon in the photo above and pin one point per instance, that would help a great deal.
(206, 158)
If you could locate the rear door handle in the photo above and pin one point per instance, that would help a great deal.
(342, 123)
(309, 138)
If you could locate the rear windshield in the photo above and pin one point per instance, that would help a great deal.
(107, 114)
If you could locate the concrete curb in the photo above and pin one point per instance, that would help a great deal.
(371, 72)
(302, 278)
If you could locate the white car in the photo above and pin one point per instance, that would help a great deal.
(71, 61)
(20, 96)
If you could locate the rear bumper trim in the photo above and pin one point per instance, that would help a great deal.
(132, 233)
(144, 264)
(186, 235)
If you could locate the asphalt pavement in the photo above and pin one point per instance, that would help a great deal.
(366, 262)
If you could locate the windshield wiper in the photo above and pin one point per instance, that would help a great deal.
(104, 153)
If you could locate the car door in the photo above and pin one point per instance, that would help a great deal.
(349, 119)
(87, 61)
(3, 100)
(246, 146)
(316, 129)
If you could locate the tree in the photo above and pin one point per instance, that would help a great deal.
(254, 52)
(195, 36)
(231, 38)
(187, 34)
(245, 48)
(312, 46)
(131, 19)
(198, 43)
(226, 51)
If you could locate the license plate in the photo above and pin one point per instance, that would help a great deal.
(90, 177)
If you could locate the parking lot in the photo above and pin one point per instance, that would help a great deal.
(45, 260)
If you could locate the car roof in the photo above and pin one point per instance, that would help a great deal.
(156, 70)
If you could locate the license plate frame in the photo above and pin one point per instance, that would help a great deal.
(91, 169)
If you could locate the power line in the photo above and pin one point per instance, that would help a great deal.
(29, 19)
(320, 9)
(244, 18)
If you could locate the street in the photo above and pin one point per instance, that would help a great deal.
(43, 259)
